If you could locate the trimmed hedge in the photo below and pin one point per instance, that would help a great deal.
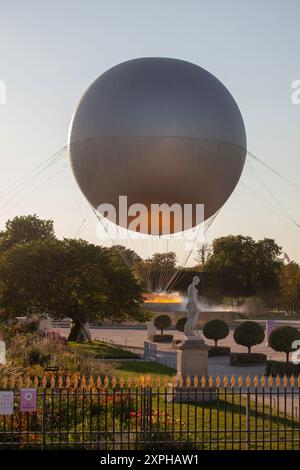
(219, 351)
(247, 359)
(163, 338)
(280, 368)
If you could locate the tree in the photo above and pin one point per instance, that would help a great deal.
(245, 267)
(69, 278)
(289, 280)
(180, 324)
(215, 330)
(162, 322)
(24, 229)
(282, 339)
(248, 334)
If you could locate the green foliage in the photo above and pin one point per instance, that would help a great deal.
(100, 350)
(36, 357)
(275, 368)
(282, 339)
(246, 359)
(180, 324)
(24, 229)
(69, 278)
(245, 267)
(289, 297)
(248, 334)
(215, 330)
(216, 351)
(162, 322)
(163, 338)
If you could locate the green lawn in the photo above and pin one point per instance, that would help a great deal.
(100, 350)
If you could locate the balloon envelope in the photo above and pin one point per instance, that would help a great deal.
(159, 131)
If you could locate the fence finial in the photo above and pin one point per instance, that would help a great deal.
(285, 381)
(270, 381)
(277, 380)
(225, 381)
(255, 381)
(196, 381)
(203, 381)
(240, 381)
(263, 381)
(248, 381)
(232, 381)
(188, 381)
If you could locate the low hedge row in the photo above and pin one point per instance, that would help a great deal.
(247, 359)
(280, 368)
(163, 338)
(219, 351)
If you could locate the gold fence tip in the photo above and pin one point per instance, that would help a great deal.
(270, 381)
(44, 381)
(129, 381)
(277, 380)
(91, 382)
(98, 381)
(240, 381)
(27, 381)
(285, 380)
(263, 381)
(298, 380)
(255, 381)
(60, 382)
(203, 381)
(225, 381)
(292, 380)
(210, 381)
(20, 381)
(180, 380)
(121, 382)
(232, 381)
(196, 381)
(248, 381)
(68, 381)
(106, 382)
(142, 381)
(83, 382)
(166, 382)
(52, 381)
(188, 381)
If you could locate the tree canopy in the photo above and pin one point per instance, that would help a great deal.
(71, 278)
(244, 266)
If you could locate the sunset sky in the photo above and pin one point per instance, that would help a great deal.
(51, 52)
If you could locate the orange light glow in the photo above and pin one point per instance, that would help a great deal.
(163, 298)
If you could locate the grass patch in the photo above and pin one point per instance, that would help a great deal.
(100, 350)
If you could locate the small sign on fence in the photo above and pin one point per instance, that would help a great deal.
(28, 399)
(6, 403)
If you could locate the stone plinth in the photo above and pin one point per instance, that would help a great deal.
(192, 361)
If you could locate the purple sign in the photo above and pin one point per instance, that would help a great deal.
(28, 399)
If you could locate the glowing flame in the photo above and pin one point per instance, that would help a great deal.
(163, 298)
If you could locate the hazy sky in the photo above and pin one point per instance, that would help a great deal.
(51, 51)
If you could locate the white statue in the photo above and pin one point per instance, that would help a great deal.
(193, 308)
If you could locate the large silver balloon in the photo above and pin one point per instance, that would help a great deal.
(157, 130)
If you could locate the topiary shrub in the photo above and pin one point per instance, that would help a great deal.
(248, 334)
(162, 322)
(282, 339)
(215, 330)
(180, 324)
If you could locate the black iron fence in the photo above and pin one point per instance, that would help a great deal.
(75, 413)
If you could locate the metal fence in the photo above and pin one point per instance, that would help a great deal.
(142, 413)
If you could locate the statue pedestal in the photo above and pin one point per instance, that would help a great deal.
(192, 361)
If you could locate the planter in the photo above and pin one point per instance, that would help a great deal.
(162, 338)
(281, 368)
(247, 359)
(219, 351)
